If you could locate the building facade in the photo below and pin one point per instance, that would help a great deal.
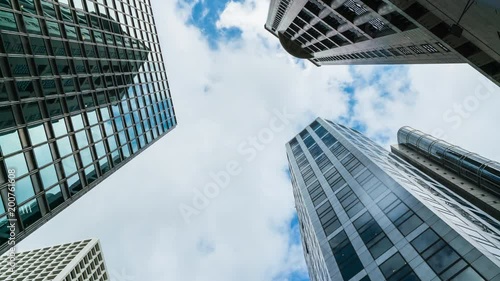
(332, 32)
(78, 261)
(367, 214)
(83, 89)
(472, 176)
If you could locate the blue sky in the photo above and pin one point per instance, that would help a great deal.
(205, 14)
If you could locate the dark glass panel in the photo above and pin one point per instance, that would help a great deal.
(31, 112)
(30, 213)
(54, 197)
(12, 44)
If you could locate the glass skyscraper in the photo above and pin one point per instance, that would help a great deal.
(83, 89)
(367, 214)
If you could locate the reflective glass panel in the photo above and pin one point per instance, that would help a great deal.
(69, 165)
(9, 142)
(18, 163)
(37, 134)
(54, 197)
(49, 176)
(43, 155)
(24, 189)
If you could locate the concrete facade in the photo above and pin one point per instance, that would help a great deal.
(336, 32)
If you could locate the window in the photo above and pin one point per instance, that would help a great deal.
(416, 49)
(372, 235)
(328, 218)
(396, 268)
(429, 48)
(345, 256)
(442, 46)
(349, 201)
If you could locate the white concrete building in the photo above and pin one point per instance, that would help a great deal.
(78, 261)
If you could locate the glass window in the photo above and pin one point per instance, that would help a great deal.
(37, 134)
(32, 25)
(74, 184)
(101, 151)
(96, 133)
(54, 197)
(77, 122)
(49, 87)
(392, 265)
(43, 155)
(53, 28)
(90, 174)
(9, 142)
(468, 274)
(443, 259)
(30, 213)
(25, 89)
(54, 107)
(12, 44)
(81, 139)
(59, 127)
(78, 4)
(18, 163)
(19, 66)
(7, 21)
(24, 189)
(69, 165)
(424, 240)
(49, 176)
(64, 146)
(86, 157)
(92, 116)
(43, 67)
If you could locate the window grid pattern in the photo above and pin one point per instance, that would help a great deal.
(50, 264)
(83, 89)
(454, 210)
(441, 257)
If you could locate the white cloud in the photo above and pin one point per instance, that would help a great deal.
(222, 97)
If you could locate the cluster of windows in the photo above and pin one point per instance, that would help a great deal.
(400, 215)
(385, 53)
(346, 257)
(319, 28)
(445, 261)
(83, 87)
(396, 268)
(372, 235)
(316, 193)
(371, 184)
(328, 218)
(349, 201)
(352, 164)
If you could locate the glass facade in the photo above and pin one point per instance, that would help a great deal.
(481, 171)
(83, 89)
(375, 217)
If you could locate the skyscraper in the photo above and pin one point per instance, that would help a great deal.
(83, 89)
(367, 214)
(330, 32)
(78, 261)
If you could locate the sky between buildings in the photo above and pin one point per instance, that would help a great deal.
(239, 98)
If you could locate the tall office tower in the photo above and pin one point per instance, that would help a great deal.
(78, 261)
(83, 90)
(330, 32)
(367, 214)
